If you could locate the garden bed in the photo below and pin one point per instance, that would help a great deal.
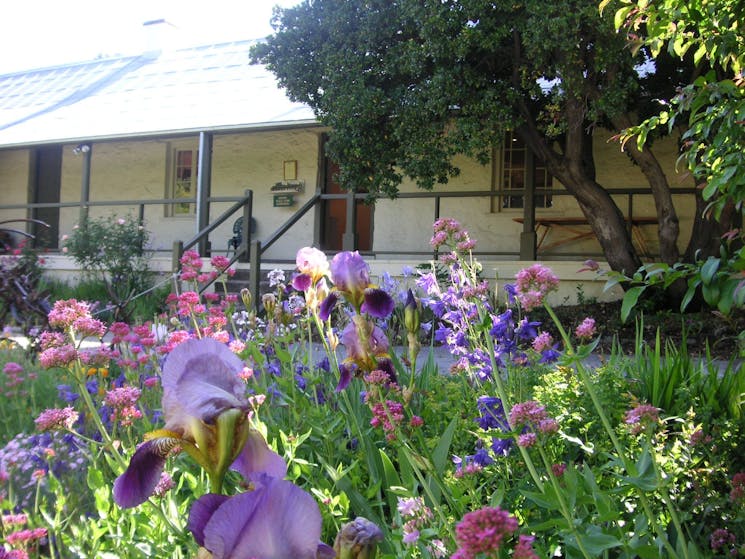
(702, 331)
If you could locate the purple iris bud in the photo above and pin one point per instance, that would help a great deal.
(377, 303)
(511, 293)
(277, 520)
(327, 305)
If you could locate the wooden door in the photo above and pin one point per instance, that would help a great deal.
(334, 216)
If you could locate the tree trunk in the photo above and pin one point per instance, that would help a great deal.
(668, 226)
(571, 169)
(706, 233)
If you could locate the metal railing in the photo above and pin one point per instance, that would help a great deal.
(251, 250)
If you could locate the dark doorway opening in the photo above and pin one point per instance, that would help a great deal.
(46, 190)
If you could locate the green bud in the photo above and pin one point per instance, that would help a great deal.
(247, 298)
(412, 319)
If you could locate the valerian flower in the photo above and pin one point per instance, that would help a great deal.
(276, 520)
(207, 416)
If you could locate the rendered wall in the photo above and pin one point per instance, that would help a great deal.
(405, 224)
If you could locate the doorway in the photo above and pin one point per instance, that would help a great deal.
(334, 215)
(47, 171)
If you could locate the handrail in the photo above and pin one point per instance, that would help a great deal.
(245, 204)
(247, 198)
(294, 218)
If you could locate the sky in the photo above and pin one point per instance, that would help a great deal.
(41, 33)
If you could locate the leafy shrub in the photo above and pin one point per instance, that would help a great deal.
(115, 252)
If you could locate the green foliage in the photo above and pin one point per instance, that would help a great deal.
(114, 251)
(407, 86)
(711, 108)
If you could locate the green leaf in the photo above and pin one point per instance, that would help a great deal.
(596, 541)
(442, 451)
(645, 479)
(709, 270)
(630, 299)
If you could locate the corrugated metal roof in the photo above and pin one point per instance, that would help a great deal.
(210, 88)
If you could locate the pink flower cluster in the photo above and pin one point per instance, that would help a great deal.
(449, 232)
(191, 266)
(641, 416)
(533, 416)
(723, 541)
(533, 284)
(26, 536)
(165, 484)
(389, 415)
(65, 312)
(14, 377)
(737, 495)
(483, 531)
(586, 329)
(542, 342)
(54, 419)
(124, 401)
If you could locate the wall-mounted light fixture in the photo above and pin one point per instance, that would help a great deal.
(81, 148)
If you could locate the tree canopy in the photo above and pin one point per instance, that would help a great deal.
(407, 85)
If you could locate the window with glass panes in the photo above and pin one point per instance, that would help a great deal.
(515, 161)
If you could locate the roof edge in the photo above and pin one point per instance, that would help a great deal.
(229, 128)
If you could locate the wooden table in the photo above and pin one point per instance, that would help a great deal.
(579, 229)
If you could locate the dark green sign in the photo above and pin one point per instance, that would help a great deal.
(284, 200)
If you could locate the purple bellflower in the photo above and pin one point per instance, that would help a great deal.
(207, 416)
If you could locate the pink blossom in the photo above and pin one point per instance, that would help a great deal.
(524, 548)
(122, 397)
(641, 416)
(526, 440)
(25, 536)
(530, 412)
(53, 419)
(533, 284)
(66, 312)
(219, 262)
(14, 519)
(737, 495)
(586, 330)
(482, 531)
(57, 356)
(165, 484)
(558, 469)
(12, 368)
(542, 342)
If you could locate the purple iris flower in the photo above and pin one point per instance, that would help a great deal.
(277, 520)
(351, 277)
(206, 415)
(349, 272)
